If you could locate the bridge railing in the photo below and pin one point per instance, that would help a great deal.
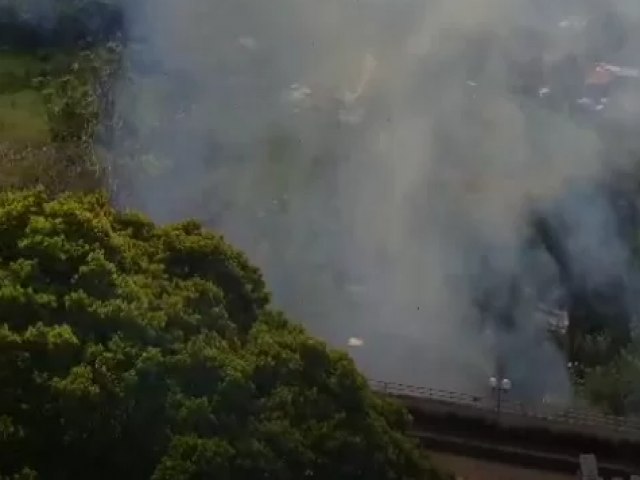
(552, 413)
(399, 389)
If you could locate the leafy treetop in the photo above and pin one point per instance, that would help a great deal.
(133, 351)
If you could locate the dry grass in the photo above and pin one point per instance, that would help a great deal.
(466, 468)
(23, 118)
(57, 168)
(19, 63)
(27, 156)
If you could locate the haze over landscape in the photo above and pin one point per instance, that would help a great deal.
(233, 233)
(373, 159)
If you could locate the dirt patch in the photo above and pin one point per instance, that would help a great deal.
(473, 469)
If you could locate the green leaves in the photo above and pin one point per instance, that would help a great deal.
(192, 458)
(131, 351)
(76, 96)
(77, 385)
(615, 386)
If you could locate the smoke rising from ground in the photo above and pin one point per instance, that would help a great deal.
(369, 156)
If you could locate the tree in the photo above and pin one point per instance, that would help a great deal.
(78, 92)
(133, 351)
(63, 24)
(615, 386)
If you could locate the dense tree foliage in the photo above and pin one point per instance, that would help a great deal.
(79, 45)
(134, 351)
(29, 24)
(614, 385)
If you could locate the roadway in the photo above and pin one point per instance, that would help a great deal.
(545, 439)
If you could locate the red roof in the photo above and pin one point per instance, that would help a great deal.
(599, 76)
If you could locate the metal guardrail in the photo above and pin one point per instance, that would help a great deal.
(554, 414)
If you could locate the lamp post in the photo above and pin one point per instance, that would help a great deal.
(499, 386)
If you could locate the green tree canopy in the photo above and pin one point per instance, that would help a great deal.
(615, 385)
(133, 351)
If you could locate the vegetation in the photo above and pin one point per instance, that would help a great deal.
(58, 61)
(22, 111)
(132, 351)
(50, 106)
(615, 385)
(26, 25)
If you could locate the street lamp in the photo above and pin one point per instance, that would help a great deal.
(499, 386)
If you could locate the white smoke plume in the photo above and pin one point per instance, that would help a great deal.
(369, 156)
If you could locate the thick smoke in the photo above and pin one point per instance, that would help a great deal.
(371, 157)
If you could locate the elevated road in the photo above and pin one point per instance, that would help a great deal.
(556, 418)
(548, 437)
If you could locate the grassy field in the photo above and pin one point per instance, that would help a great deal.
(19, 63)
(23, 118)
(22, 113)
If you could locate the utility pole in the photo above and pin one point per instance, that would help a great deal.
(499, 386)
